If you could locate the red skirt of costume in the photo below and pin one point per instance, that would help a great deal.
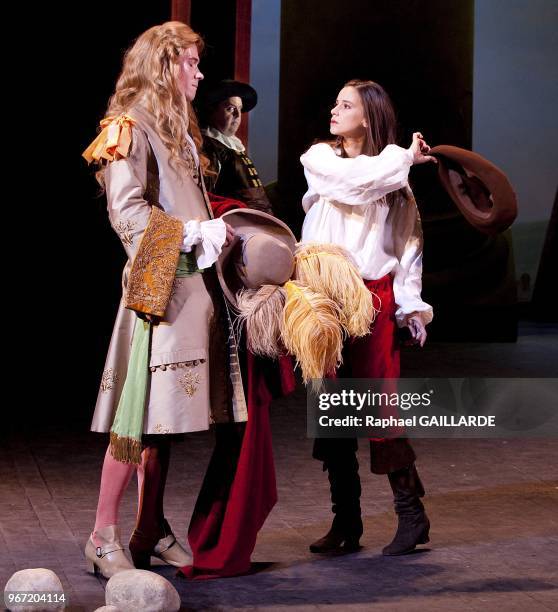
(239, 489)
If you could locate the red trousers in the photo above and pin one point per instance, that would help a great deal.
(373, 356)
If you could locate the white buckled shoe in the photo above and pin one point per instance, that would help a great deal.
(169, 550)
(109, 557)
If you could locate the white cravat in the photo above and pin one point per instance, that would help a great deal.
(232, 142)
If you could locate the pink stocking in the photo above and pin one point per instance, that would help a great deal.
(115, 477)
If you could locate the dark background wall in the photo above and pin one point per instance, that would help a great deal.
(219, 34)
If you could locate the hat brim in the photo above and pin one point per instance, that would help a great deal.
(217, 92)
(246, 221)
(481, 191)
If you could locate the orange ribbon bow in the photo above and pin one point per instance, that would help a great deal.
(114, 140)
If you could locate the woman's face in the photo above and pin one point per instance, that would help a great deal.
(188, 73)
(227, 116)
(347, 116)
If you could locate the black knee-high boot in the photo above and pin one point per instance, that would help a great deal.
(346, 528)
(413, 526)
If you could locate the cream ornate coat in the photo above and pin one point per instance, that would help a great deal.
(190, 386)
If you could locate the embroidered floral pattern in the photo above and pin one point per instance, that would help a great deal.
(190, 381)
(108, 380)
(191, 161)
(125, 230)
(152, 273)
(177, 283)
(161, 430)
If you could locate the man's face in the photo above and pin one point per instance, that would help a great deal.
(188, 73)
(227, 116)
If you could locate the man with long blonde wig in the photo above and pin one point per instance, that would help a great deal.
(170, 368)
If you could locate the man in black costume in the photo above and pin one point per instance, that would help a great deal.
(233, 172)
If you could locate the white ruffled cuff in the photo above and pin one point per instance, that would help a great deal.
(192, 235)
(214, 234)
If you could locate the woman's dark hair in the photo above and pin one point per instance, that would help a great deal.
(379, 114)
(381, 122)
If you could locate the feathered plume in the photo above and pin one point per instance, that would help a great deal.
(311, 331)
(262, 311)
(329, 269)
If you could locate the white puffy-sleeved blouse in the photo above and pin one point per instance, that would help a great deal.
(346, 205)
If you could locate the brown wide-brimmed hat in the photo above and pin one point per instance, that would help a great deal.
(480, 189)
(261, 253)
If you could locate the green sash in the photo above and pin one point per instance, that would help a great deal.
(127, 427)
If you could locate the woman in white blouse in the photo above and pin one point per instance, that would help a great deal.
(358, 197)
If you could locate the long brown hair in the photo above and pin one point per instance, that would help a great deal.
(381, 128)
(149, 76)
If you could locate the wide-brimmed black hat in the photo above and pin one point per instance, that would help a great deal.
(213, 93)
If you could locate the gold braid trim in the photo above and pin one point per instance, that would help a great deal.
(113, 142)
(152, 274)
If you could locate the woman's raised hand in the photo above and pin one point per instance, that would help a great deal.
(420, 150)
